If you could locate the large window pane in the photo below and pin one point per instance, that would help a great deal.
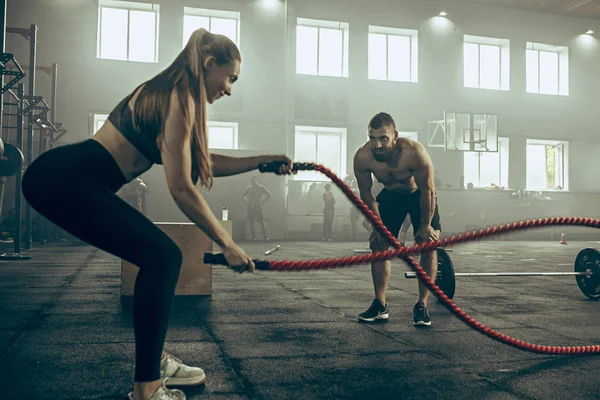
(485, 168)
(191, 23)
(328, 151)
(377, 56)
(142, 36)
(489, 58)
(323, 146)
(113, 33)
(409, 135)
(489, 169)
(221, 137)
(548, 72)
(532, 71)
(471, 65)
(471, 168)
(330, 52)
(307, 44)
(536, 167)
(399, 58)
(222, 26)
(305, 147)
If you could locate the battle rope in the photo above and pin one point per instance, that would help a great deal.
(426, 247)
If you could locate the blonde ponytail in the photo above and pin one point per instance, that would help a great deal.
(201, 162)
(186, 76)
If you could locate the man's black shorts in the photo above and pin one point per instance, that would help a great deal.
(393, 208)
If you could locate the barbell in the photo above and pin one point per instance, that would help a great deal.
(586, 273)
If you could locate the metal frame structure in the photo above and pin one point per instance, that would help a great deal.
(50, 130)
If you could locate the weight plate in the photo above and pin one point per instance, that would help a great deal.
(12, 160)
(446, 280)
(588, 259)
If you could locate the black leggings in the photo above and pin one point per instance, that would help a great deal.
(74, 186)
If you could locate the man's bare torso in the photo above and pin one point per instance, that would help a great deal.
(395, 174)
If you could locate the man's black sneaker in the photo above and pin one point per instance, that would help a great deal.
(421, 315)
(377, 312)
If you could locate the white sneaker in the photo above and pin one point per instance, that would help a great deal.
(162, 393)
(176, 373)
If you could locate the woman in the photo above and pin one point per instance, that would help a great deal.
(163, 121)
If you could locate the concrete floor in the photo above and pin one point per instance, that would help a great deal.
(64, 333)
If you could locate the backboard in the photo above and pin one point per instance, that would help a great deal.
(470, 131)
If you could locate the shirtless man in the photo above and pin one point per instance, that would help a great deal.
(405, 169)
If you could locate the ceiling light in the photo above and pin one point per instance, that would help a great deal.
(443, 14)
(589, 32)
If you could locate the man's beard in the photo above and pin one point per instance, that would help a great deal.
(383, 156)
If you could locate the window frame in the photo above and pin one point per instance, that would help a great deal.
(563, 170)
(342, 133)
(412, 135)
(504, 66)
(129, 6)
(210, 14)
(563, 67)
(224, 124)
(344, 27)
(412, 35)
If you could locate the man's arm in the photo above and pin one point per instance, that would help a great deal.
(246, 194)
(422, 169)
(267, 194)
(365, 182)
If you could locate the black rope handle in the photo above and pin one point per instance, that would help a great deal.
(274, 166)
(219, 259)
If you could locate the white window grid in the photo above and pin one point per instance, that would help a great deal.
(129, 6)
(344, 27)
(413, 51)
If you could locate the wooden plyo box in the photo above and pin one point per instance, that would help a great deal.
(195, 277)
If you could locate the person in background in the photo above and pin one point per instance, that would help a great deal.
(328, 212)
(253, 197)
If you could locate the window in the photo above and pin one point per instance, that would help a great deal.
(215, 21)
(222, 135)
(326, 146)
(393, 54)
(547, 69)
(486, 63)
(410, 135)
(128, 31)
(483, 169)
(322, 48)
(546, 165)
(98, 121)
